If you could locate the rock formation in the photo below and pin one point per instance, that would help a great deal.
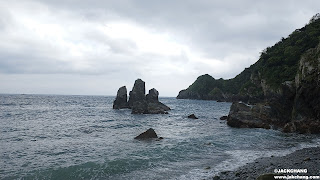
(208, 88)
(121, 99)
(223, 117)
(157, 108)
(140, 107)
(249, 116)
(154, 105)
(149, 134)
(139, 102)
(153, 95)
(295, 108)
(306, 102)
(138, 93)
(192, 116)
(280, 91)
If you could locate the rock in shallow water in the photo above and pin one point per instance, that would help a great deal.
(247, 116)
(149, 134)
(224, 118)
(192, 116)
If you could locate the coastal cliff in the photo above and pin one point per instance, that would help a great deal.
(280, 91)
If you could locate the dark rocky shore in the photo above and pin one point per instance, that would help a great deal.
(308, 158)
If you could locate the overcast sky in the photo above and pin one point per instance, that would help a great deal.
(93, 47)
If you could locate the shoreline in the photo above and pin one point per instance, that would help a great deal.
(307, 158)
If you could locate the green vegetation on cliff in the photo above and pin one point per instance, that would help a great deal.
(276, 65)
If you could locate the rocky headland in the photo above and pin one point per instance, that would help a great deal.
(280, 91)
(139, 102)
(294, 107)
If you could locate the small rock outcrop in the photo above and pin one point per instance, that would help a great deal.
(139, 102)
(157, 108)
(153, 95)
(121, 100)
(154, 105)
(149, 134)
(223, 117)
(192, 116)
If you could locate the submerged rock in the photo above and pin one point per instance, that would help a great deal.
(192, 116)
(121, 100)
(149, 134)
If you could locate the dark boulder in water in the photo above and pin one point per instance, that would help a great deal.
(121, 100)
(242, 115)
(157, 108)
(149, 134)
(192, 116)
(223, 117)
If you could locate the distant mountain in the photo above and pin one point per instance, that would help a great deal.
(282, 88)
(276, 65)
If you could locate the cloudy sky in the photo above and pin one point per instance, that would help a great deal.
(92, 47)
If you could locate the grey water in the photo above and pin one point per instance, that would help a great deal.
(82, 137)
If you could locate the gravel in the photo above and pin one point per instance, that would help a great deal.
(308, 158)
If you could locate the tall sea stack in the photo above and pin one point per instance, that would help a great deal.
(138, 93)
(139, 102)
(121, 100)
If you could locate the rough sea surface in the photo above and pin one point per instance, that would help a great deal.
(82, 137)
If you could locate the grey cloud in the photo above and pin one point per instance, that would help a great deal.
(5, 19)
(206, 23)
(118, 46)
(20, 63)
(218, 30)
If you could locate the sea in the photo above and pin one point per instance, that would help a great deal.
(82, 137)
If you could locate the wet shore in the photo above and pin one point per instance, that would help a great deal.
(304, 162)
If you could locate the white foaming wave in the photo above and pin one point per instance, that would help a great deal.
(240, 158)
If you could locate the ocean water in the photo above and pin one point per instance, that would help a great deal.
(82, 137)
